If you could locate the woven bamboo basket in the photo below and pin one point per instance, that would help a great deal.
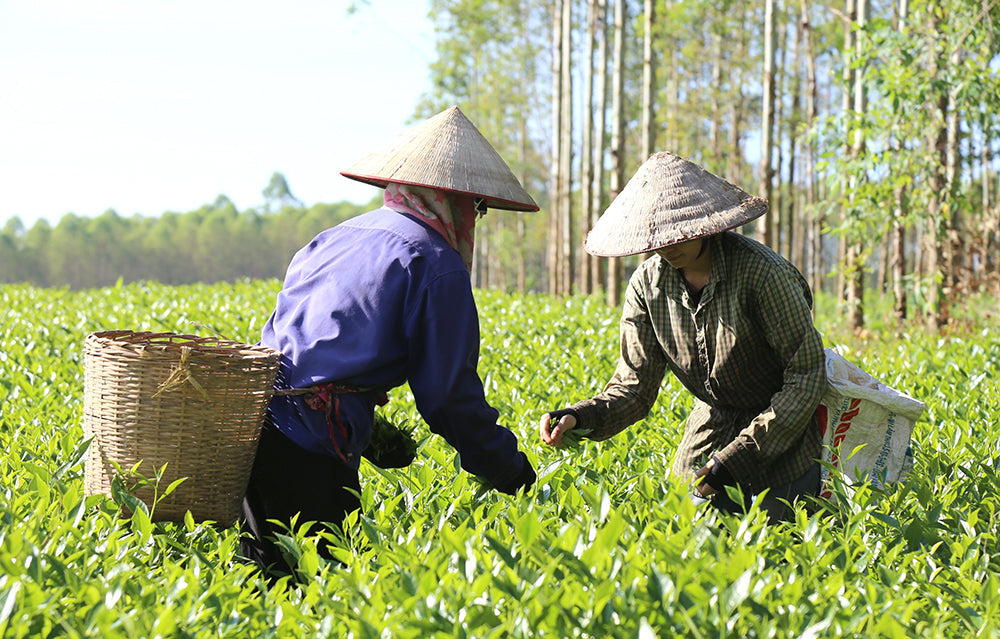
(195, 404)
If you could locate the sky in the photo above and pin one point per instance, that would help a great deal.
(147, 107)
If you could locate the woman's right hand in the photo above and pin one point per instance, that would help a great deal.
(552, 430)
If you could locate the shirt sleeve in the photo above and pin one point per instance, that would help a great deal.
(784, 310)
(633, 388)
(443, 333)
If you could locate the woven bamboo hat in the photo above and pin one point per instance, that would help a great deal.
(670, 200)
(446, 152)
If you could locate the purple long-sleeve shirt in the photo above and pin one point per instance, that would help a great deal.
(377, 301)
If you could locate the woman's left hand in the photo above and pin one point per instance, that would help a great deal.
(551, 431)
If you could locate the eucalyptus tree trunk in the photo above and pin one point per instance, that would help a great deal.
(614, 284)
(953, 268)
(767, 123)
(648, 85)
(855, 264)
(554, 245)
(814, 224)
(882, 277)
(986, 213)
(495, 275)
(793, 230)
(648, 80)
(778, 199)
(736, 113)
(900, 212)
(846, 97)
(715, 133)
(522, 152)
(600, 139)
(480, 255)
(933, 236)
(898, 260)
(937, 141)
(521, 227)
(672, 98)
(566, 152)
(991, 219)
(586, 281)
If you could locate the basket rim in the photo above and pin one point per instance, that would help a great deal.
(166, 341)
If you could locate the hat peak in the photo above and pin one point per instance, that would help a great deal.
(670, 200)
(445, 152)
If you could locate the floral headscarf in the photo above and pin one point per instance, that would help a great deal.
(453, 215)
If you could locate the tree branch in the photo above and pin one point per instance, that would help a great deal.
(968, 31)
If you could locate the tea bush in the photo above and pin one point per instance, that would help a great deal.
(607, 544)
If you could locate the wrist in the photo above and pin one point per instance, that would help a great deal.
(719, 476)
(556, 415)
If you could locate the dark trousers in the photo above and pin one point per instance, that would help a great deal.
(774, 502)
(287, 480)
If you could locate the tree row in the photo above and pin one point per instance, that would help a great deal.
(870, 126)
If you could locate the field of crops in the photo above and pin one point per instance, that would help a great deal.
(605, 545)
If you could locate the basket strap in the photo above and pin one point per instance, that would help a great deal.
(326, 398)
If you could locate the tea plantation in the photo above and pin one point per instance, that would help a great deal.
(606, 544)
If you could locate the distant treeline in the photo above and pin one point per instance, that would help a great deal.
(214, 243)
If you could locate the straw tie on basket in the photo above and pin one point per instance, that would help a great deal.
(181, 374)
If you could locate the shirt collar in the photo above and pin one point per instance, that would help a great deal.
(672, 282)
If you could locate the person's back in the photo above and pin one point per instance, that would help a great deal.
(380, 300)
(346, 311)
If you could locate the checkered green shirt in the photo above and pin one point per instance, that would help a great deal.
(747, 350)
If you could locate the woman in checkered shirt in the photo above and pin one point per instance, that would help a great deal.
(730, 318)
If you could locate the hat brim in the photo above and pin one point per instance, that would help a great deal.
(681, 235)
(491, 202)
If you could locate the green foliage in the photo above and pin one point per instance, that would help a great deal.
(918, 73)
(277, 193)
(491, 61)
(606, 544)
(392, 444)
(214, 243)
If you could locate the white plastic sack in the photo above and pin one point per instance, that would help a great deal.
(858, 410)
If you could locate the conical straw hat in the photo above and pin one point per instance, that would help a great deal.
(446, 152)
(670, 200)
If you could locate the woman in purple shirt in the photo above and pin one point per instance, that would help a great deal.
(380, 300)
